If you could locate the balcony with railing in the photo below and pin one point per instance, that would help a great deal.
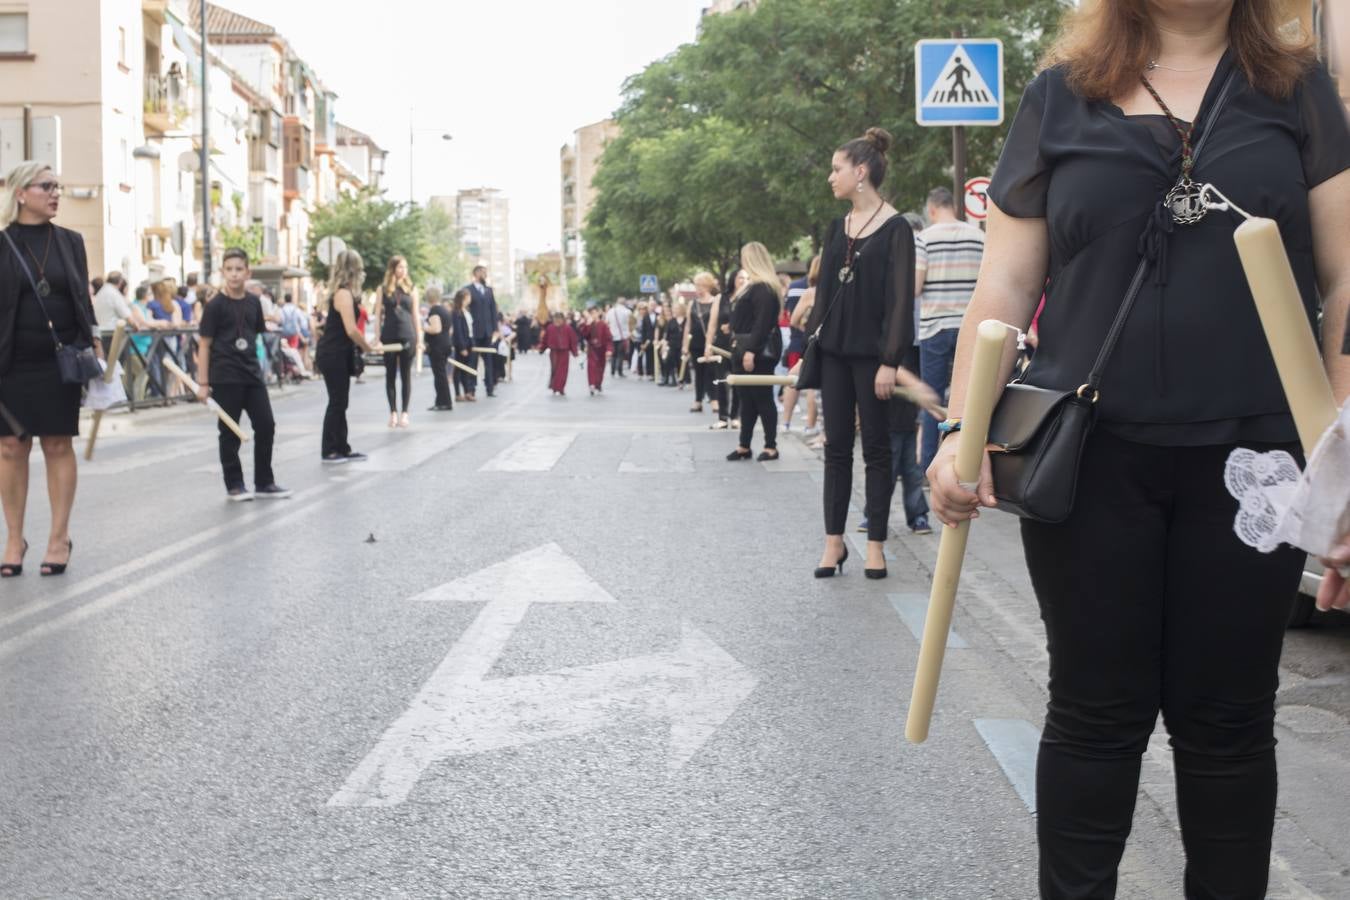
(297, 181)
(167, 104)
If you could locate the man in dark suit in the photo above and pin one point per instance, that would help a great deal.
(483, 308)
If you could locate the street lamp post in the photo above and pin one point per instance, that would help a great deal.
(412, 133)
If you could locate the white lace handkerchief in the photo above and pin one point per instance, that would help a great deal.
(1279, 505)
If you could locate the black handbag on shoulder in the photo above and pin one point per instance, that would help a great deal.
(1039, 433)
(77, 365)
(769, 354)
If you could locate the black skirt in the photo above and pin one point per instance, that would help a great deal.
(43, 404)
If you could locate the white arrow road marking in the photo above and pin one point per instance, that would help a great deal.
(696, 686)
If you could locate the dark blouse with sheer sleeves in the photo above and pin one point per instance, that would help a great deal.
(872, 316)
(1192, 366)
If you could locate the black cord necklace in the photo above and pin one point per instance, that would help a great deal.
(846, 273)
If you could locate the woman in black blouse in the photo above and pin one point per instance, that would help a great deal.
(35, 399)
(756, 346)
(1151, 603)
(865, 312)
(398, 321)
(335, 356)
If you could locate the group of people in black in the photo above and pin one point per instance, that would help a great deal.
(1151, 603)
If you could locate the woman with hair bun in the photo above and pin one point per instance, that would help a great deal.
(865, 312)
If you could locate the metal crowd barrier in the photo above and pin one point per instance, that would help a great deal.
(144, 377)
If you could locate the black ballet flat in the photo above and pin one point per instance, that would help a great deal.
(14, 570)
(875, 574)
(829, 571)
(735, 455)
(767, 455)
(51, 568)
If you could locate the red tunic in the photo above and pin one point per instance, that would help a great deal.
(559, 341)
(599, 344)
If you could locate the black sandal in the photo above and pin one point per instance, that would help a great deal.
(51, 568)
(735, 455)
(14, 570)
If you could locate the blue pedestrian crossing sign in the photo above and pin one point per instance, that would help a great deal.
(648, 284)
(958, 81)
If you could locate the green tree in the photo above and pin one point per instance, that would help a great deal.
(730, 138)
(379, 228)
(249, 238)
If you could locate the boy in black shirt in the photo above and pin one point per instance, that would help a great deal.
(227, 369)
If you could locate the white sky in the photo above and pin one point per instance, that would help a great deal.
(509, 79)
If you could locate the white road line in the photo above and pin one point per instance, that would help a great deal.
(537, 453)
(652, 454)
(913, 611)
(1014, 743)
(859, 542)
(129, 569)
(140, 587)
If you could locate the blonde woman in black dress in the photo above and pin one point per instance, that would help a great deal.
(35, 399)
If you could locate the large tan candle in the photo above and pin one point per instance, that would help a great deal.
(213, 405)
(119, 340)
(990, 343)
(1286, 325)
(469, 369)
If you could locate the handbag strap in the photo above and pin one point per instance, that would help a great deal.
(1141, 272)
(23, 264)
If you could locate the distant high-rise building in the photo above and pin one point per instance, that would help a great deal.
(578, 163)
(725, 6)
(482, 218)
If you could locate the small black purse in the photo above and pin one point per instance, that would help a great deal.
(808, 370)
(1039, 433)
(77, 365)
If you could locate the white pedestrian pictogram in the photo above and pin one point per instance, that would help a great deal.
(959, 84)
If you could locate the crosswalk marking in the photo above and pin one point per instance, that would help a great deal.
(1014, 743)
(913, 611)
(538, 453)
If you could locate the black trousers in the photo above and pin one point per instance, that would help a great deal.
(439, 363)
(757, 403)
(1151, 603)
(847, 384)
(237, 399)
(620, 358)
(464, 382)
(489, 364)
(338, 380)
(398, 365)
(703, 380)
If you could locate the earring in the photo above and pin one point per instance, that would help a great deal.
(860, 186)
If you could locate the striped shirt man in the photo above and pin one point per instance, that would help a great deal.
(948, 262)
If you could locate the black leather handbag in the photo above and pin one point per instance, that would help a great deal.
(769, 354)
(77, 365)
(1038, 434)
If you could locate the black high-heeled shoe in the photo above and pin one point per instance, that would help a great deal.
(14, 570)
(875, 574)
(735, 455)
(829, 571)
(51, 568)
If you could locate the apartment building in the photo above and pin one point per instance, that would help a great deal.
(578, 162)
(112, 93)
(359, 157)
(482, 218)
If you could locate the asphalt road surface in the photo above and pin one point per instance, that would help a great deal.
(541, 647)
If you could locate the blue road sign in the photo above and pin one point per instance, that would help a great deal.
(958, 81)
(649, 284)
